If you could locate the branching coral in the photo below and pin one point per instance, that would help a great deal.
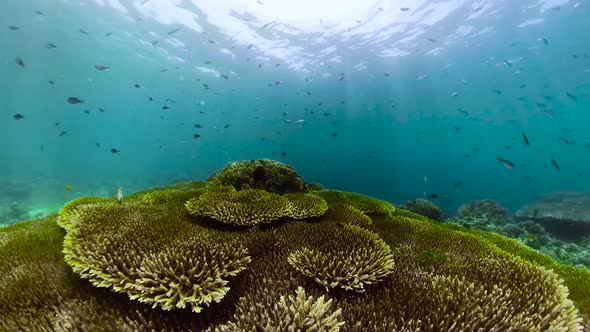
(292, 313)
(163, 262)
(365, 204)
(252, 207)
(347, 214)
(360, 258)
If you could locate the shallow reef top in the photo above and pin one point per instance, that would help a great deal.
(216, 256)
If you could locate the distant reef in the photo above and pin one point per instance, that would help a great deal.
(252, 254)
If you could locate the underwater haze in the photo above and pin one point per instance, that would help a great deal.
(448, 100)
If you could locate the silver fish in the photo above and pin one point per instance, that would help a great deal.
(507, 163)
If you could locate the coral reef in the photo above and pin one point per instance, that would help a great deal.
(425, 208)
(368, 261)
(264, 174)
(165, 266)
(250, 207)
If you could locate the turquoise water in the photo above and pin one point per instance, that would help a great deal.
(398, 99)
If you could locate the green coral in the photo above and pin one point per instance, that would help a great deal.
(365, 204)
(292, 313)
(468, 279)
(424, 208)
(264, 174)
(168, 264)
(250, 207)
(356, 257)
(347, 214)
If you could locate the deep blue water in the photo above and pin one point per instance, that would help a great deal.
(400, 99)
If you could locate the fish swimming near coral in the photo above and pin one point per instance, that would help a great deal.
(507, 163)
(120, 194)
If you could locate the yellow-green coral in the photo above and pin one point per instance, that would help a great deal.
(475, 280)
(252, 207)
(365, 204)
(292, 313)
(168, 263)
(347, 214)
(358, 258)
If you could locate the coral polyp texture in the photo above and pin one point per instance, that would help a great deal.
(359, 258)
(146, 263)
(265, 174)
(250, 207)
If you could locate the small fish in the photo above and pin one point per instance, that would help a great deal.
(207, 62)
(13, 27)
(541, 105)
(19, 62)
(174, 31)
(196, 136)
(38, 12)
(496, 91)
(83, 31)
(198, 126)
(101, 67)
(97, 144)
(433, 196)
(62, 133)
(206, 86)
(154, 42)
(522, 86)
(283, 154)
(555, 165)
(454, 94)
(429, 253)
(137, 86)
(507, 163)
(386, 74)
(18, 116)
(432, 40)
(87, 111)
(334, 134)
(226, 126)
(51, 82)
(507, 63)
(212, 41)
(115, 151)
(548, 111)
(547, 98)
(462, 111)
(68, 188)
(50, 45)
(572, 96)
(563, 140)
(119, 194)
(404, 9)
(101, 110)
(224, 76)
(544, 41)
(74, 100)
(165, 107)
(526, 139)
(108, 34)
(260, 3)
(144, 2)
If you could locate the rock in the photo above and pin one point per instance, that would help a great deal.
(487, 211)
(564, 214)
(424, 208)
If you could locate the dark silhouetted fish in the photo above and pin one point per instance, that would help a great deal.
(174, 31)
(572, 96)
(522, 86)
(82, 31)
(404, 9)
(19, 62)
(108, 34)
(165, 107)
(137, 86)
(198, 126)
(555, 165)
(260, 2)
(206, 86)
(62, 133)
(212, 41)
(526, 139)
(18, 116)
(545, 41)
(101, 110)
(334, 134)
(50, 45)
(115, 151)
(496, 91)
(13, 27)
(284, 154)
(433, 196)
(226, 126)
(563, 140)
(507, 63)
(196, 136)
(224, 76)
(507, 163)
(51, 82)
(38, 12)
(432, 40)
(74, 100)
(154, 43)
(101, 67)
